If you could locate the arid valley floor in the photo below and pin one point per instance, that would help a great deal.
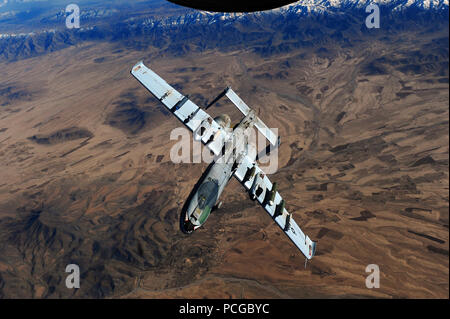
(86, 175)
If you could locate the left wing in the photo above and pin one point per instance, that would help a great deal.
(260, 187)
(198, 121)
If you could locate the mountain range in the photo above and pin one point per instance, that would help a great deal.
(171, 25)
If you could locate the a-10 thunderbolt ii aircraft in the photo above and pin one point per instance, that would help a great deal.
(233, 156)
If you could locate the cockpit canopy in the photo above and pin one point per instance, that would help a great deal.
(207, 194)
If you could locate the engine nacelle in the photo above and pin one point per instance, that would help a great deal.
(223, 120)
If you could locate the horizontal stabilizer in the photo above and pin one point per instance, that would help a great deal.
(238, 101)
(262, 128)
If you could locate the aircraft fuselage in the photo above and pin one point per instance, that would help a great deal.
(206, 193)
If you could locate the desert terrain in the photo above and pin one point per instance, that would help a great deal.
(86, 175)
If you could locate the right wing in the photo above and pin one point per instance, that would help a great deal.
(283, 219)
(198, 121)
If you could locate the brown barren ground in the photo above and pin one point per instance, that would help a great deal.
(86, 176)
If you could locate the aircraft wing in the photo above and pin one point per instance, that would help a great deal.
(260, 185)
(198, 121)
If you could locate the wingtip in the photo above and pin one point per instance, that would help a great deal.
(137, 66)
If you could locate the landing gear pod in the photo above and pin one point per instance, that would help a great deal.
(232, 5)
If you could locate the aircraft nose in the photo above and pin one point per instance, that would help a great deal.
(188, 227)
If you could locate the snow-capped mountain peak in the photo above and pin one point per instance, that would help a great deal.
(319, 5)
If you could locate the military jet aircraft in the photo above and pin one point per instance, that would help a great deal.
(233, 153)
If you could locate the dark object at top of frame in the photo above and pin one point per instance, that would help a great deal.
(232, 5)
